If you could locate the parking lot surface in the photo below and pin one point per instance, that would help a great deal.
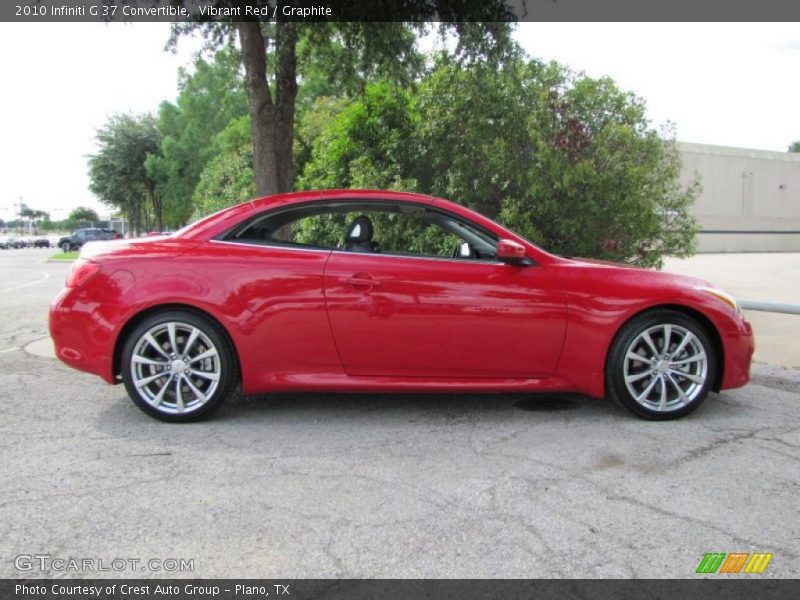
(315, 485)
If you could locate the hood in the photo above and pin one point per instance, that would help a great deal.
(611, 270)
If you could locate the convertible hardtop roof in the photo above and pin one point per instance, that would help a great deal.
(213, 224)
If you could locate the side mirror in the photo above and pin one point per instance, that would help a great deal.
(509, 251)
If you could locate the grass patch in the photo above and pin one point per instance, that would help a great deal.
(65, 255)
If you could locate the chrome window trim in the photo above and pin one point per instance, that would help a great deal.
(271, 246)
(460, 261)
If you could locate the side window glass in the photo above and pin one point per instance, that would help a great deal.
(320, 230)
(325, 230)
(413, 234)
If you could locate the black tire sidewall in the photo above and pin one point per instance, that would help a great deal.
(227, 357)
(615, 381)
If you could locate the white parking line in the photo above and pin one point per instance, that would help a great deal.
(24, 285)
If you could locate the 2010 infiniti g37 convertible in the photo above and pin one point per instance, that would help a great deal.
(370, 291)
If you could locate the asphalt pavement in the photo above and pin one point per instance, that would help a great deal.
(319, 485)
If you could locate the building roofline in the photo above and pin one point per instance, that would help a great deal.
(738, 152)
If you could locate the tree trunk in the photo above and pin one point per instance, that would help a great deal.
(262, 108)
(286, 96)
(271, 121)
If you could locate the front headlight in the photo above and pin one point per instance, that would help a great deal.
(724, 296)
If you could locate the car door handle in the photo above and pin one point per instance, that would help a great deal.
(362, 281)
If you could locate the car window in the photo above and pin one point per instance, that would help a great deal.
(395, 229)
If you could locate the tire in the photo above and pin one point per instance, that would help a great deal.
(656, 384)
(189, 372)
(66, 247)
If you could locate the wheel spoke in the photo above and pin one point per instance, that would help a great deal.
(152, 341)
(686, 339)
(143, 382)
(160, 396)
(667, 338)
(178, 396)
(149, 361)
(694, 378)
(643, 396)
(697, 357)
(200, 395)
(663, 404)
(192, 338)
(649, 341)
(207, 375)
(637, 357)
(207, 354)
(681, 394)
(638, 376)
(173, 342)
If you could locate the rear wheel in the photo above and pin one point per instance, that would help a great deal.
(662, 365)
(66, 247)
(178, 366)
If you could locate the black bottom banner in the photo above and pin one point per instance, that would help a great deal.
(395, 589)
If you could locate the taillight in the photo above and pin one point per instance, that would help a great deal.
(81, 272)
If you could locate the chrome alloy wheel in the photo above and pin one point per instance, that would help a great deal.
(175, 367)
(665, 367)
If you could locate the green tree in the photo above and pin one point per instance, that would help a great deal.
(82, 217)
(602, 183)
(118, 175)
(795, 147)
(226, 180)
(368, 143)
(569, 161)
(33, 216)
(277, 55)
(209, 99)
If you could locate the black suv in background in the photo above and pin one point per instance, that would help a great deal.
(81, 236)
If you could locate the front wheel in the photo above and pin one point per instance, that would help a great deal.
(662, 365)
(178, 366)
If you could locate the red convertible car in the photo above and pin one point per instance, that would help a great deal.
(373, 291)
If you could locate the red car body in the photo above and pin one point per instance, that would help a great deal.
(329, 320)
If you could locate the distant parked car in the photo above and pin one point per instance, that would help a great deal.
(16, 243)
(81, 236)
(4, 243)
(41, 242)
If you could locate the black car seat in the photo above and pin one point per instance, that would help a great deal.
(359, 236)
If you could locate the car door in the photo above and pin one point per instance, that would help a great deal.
(440, 317)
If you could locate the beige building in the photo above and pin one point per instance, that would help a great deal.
(750, 200)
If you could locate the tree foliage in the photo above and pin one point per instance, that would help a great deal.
(795, 147)
(34, 216)
(82, 217)
(118, 175)
(569, 161)
(209, 98)
(227, 179)
(348, 53)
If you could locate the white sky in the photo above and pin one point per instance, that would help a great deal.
(727, 84)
